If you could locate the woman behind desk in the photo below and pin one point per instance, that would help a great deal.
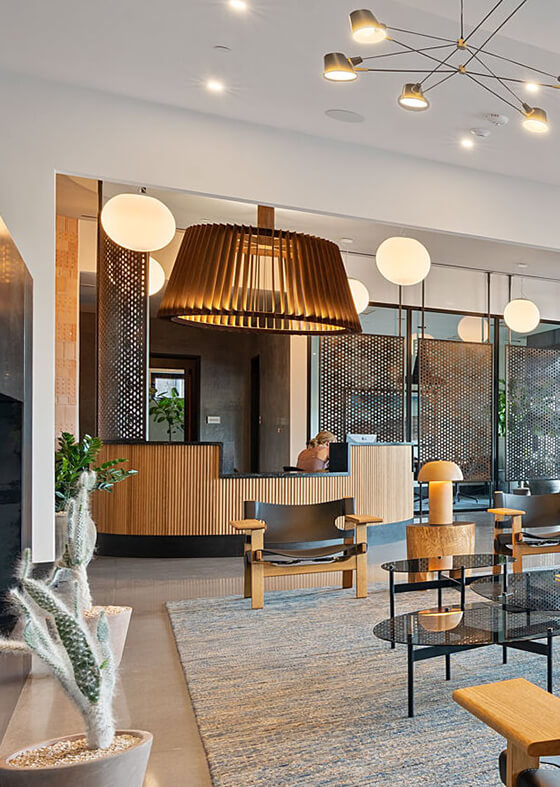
(315, 458)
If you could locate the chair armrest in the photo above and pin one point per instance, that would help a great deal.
(248, 524)
(506, 512)
(524, 714)
(366, 519)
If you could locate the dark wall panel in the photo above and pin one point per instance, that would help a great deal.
(361, 386)
(122, 342)
(533, 413)
(455, 405)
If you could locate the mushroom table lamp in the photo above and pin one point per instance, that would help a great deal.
(440, 476)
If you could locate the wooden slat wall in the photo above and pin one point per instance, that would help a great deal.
(178, 490)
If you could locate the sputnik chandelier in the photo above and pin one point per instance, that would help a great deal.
(437, 57)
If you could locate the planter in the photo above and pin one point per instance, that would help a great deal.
(122, 768)
(118, 619)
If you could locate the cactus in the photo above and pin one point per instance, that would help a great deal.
(55, 628)
(81, 535)
(82, 663)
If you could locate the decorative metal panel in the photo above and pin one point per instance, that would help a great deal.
(361, 386)
(122, 342)
(455, 405)
(533, 413)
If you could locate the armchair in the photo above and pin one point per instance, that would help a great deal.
(303, 539)
(528, 717)
(534, 521)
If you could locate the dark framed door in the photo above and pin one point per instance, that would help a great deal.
(183, 373)
(255, 413)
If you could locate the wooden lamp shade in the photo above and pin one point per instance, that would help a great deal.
(260, 279)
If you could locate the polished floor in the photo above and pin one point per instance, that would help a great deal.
(152, 693)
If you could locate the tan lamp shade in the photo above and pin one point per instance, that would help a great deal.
(260, 279)
(440, 471)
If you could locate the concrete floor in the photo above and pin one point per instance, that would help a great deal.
(152, 692)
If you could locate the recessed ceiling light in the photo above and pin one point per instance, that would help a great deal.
(522, 265)
(215, 86)
(532, 87)
(482, 133)
(344, 115)
(238, 5)
(467, 142)
(222, 48)
(347, 241)
(496, 119)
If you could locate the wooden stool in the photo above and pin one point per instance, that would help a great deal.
(425, 540)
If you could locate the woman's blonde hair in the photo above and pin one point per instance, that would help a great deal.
(325, 437)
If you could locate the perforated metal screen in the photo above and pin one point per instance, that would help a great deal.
(533, 413)
(361, 386)
(455, 405)
(122, 333)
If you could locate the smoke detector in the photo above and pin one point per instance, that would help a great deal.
(496, 119)
(481, 132)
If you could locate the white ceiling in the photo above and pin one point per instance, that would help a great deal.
(164, 51)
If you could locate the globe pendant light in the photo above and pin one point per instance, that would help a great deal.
(259, 279)
(365, 27)
(403, 261)
(521, 315)
(473, 329)
(138, 222)
(360, 294)
(156, 277)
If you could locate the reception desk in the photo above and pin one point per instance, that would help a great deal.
(180, 504)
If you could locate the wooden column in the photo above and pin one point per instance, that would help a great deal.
(66, 332)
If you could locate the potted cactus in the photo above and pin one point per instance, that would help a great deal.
(58, 633)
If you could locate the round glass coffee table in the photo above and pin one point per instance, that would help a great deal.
(531, 590)
(442, 631)
(450, 570)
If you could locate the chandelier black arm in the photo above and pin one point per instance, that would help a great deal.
(424, 35)
(502, 82)
(512, 79)
(481, 84)
(417, 51)
(462, 20)
(482, 21)
(452, 74)
(423, 49)
(437, 68)
(481, 47)
(522, 65)
(402, 71)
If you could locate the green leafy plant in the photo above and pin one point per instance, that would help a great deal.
(169, 409)
(501, 408)
(72, 458)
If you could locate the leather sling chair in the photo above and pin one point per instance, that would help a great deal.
(303, 539)
(532, 522)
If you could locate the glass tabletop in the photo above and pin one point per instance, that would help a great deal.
(534, 590)
(481, 623)
(446, 563)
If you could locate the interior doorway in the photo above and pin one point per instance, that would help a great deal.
(176, 377)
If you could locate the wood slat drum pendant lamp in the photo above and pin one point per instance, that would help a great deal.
(260, 279)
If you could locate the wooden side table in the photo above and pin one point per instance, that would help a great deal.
(425, 540)
(524, 714)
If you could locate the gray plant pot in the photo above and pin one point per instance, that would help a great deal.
(122, 769)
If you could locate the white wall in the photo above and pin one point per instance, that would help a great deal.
(48, 128)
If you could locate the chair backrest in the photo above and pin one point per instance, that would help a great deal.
(540, 510)
(290, 524)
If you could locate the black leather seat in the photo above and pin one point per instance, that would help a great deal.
(548, 775)
(541, 521)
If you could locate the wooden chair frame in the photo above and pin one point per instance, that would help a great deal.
(518, 547)
(257, 568)
(527, 716)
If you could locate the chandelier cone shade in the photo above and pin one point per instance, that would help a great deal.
(260, 279)
(338, 68)
(412, 98)
(365, 27)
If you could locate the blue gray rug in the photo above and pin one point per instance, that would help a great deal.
(302, 693)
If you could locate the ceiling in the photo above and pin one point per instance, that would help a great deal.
(77, 197)
(165, 51)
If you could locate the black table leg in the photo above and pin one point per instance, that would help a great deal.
(504, 654)
(549, 661)
(439, 593)
(463, 588)
(410, 676)
(504, 579)
(447, 666)
(392, 598)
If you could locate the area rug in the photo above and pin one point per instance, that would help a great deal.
(303, 693)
